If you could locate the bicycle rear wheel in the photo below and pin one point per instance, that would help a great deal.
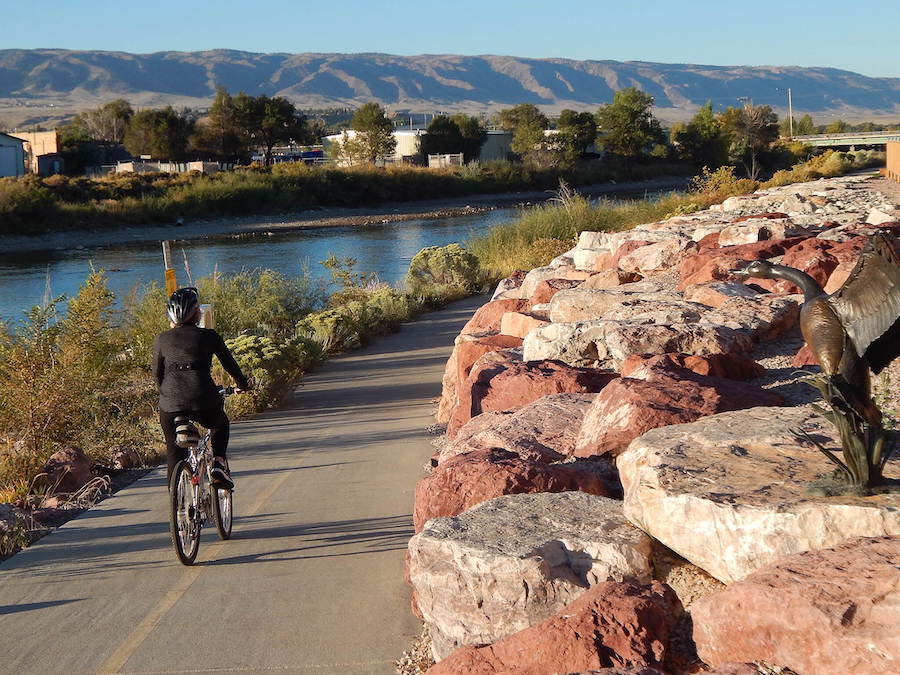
(221, 508)
(184, 524)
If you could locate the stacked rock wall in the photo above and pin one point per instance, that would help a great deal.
(616, 406)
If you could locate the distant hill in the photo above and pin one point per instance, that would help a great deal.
(73, 79)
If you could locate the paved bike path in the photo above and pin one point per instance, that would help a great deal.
(311, 580)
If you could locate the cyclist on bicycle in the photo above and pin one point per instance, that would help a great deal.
(182, 358)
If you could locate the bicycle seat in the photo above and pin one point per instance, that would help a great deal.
(186, 434)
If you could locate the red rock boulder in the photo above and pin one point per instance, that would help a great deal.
(610, 279)
(715, 264)
(68, 470)
(487, 317)
(509, 384)
(812, 256)
(520, 324)
(468, 348)
(629, 407)
(833, 610)
(729, 366)
(543, 430)
(611, 625)
(550, 287)
(466, 480)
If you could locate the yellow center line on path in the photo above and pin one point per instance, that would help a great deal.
(131, 643)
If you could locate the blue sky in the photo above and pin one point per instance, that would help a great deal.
(859, 37)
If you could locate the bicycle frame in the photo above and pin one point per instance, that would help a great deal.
(200, 460)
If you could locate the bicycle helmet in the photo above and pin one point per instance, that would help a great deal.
(184, 306)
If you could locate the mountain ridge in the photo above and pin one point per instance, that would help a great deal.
(77, 78)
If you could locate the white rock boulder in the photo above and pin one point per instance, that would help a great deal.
(729, 492)
(513, 561)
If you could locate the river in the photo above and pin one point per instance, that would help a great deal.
(385, 249)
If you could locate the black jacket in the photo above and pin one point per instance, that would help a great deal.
(182, 358)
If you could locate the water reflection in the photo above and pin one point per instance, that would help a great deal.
(385, 250)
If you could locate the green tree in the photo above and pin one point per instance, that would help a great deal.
(752, 130)
(442, 137)
(267, 121)
(837, 127)
(220, 134)
(701, 141)
(161, 133)
(374, 133)
(473, 135)
(577, 131)
(527, 125)
(805, 127)
(627, 126)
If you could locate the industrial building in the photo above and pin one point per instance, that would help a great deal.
(12, 156)
(42, 155)
(409, 144)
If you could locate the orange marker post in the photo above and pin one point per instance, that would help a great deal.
(171, 281)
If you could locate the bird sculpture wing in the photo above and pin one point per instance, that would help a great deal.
(868, 304)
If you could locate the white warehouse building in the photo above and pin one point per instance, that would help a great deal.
(409, 144)
(12, 156)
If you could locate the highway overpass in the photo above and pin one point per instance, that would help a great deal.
(862, 139)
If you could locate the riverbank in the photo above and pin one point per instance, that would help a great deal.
(321, 217)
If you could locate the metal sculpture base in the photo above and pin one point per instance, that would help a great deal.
(865, 447)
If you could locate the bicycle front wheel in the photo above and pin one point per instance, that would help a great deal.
(221, 507)
(184, 522)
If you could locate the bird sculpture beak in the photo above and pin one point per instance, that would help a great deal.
(740, 273)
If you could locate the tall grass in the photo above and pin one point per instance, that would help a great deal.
(32, 205)
(544, 232)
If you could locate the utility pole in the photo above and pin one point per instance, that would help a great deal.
(790, 115)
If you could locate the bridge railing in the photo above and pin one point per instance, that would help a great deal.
(885, 135)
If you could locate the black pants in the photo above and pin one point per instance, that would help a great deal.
(215, 420)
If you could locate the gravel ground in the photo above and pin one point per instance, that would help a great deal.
(417, 659)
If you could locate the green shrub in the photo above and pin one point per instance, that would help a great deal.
(274, 366)
(717, 186)
(260, 301)
(443, 271)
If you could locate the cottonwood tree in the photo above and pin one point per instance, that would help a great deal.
(627, 126)
(268, 121)
(442, 137)
(161, 133)
(752, 131)
(805, 127)
(457, 134)
(374, 133)
(527, 124)
(702, 141)
(473, 135)
(105, 124)
(577, 131)
(220, 134)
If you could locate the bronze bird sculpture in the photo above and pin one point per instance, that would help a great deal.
(856, 328)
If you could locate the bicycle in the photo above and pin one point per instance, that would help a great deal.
(193, 497)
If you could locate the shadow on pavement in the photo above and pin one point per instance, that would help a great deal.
(375, 534)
